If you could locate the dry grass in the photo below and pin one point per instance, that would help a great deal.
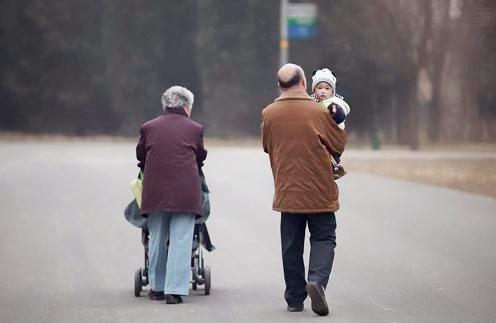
(471, 175)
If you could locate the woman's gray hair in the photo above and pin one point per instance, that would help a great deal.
(177, 97)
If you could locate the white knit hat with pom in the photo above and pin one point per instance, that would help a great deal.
(324, 75)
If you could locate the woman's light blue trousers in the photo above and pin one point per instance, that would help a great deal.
(171, 238)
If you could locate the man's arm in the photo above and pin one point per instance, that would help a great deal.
(332, 137)
(263, 129)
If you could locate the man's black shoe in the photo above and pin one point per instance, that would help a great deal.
(317, 296)
(295, 308)
(173, 299)
(156, 296)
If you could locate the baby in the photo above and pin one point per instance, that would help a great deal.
(324, 92)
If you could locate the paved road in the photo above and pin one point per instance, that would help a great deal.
(406, 252)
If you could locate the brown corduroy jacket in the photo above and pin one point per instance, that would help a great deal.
(299, 137)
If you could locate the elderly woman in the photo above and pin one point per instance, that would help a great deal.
(170, 152)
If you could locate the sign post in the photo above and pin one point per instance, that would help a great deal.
(298, 21)
(283, 40)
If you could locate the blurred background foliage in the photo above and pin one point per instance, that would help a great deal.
(413, 71)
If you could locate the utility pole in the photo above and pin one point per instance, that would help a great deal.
(283, 40)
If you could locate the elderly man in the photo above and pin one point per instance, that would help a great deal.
(300, 138)
(170, 151)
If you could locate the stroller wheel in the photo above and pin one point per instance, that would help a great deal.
(208, 280)
(137, 283)
(195, 286)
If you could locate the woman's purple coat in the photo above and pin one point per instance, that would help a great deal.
(170, 151)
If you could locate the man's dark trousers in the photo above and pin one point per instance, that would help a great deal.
(322, 227)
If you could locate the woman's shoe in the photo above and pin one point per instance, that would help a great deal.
(173, 299)
(156, 296)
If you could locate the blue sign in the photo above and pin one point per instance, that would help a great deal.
(301, 31)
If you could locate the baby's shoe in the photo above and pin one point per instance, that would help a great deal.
(338, 171)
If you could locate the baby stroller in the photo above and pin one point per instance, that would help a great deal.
(200, 273)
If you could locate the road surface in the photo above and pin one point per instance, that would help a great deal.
(406, 252)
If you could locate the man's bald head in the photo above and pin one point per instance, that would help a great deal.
(291, 75)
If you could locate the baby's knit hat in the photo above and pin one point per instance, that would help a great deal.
(323, 75)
